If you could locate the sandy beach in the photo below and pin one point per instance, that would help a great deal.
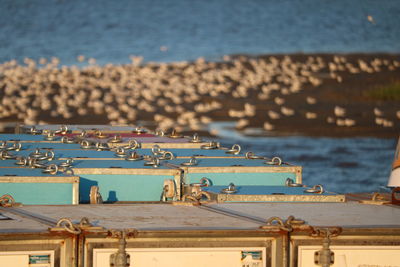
(297, 94)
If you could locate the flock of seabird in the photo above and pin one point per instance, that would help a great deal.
(180, 95)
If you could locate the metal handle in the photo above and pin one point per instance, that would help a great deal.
(196, 139)
(85, 144)
(133, 144)
(231, 189)
(316, 189)
(191, 162)
(167, 155)
(175, 134)
(289, 182)
(52, 169)
(156, 150)
(100, 135)
(234, 150)
(251, 155)
(120, 152)
(274, 161)
(211, 145)
(133, 156)
(116, 139)
(159, 132)
(63, 130)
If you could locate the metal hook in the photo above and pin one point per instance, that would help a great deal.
(231, 189)
(52, 169)
(99, 134)
(67, 163)
(175, 134)
(210, 145)
(234, 150)
(67, 140)
(156, 150)
(102, 146)
(120, 152)
(289, 182)
(50, 136)
(166, 155)
(205, 182)
(3, 144)
(140, 130)
(34, 131)
(133, 144)
(154, 161)
(116, 139)
(16, 146)
(159, 132)
(316, 189)
(62, 130)
(191, 162)
(22, 161)
(196, 139)
(85, 144)
(251, 155)
(133, 156)
(274, 161)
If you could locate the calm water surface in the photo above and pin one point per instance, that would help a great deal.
(110, 31)
(340, 164)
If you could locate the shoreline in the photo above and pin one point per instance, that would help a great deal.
(285, 94)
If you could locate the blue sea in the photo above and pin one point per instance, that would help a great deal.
(183, 30)
(176, 30)
(359, 164)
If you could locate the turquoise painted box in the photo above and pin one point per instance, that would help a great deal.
(121, 180)
(33, 187)
(251, 193)
(64, 151)
(240, 171)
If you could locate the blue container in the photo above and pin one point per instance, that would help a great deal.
(63, 151)
(54, 145)
(199, 153)
(120, 180)
(78, 154)
(270, 194)
(24, 138)
(32, 187)
(240, 171)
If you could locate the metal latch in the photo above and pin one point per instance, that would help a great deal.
(276, 223)
(120, 258)
(325, 257)
(65, 224)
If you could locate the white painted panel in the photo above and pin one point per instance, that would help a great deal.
(21, 258)
(354, 256)
(14, 260)
(183, 257)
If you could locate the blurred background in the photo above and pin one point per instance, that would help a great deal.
(166, 31)
(315, 82)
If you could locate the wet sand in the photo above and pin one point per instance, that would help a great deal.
(301, 94)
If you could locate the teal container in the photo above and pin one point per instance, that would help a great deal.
(240, 171)
(120, 180)
(32, 187)
(270, 194)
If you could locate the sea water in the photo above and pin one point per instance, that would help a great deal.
(175, 30)
(358, 164)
